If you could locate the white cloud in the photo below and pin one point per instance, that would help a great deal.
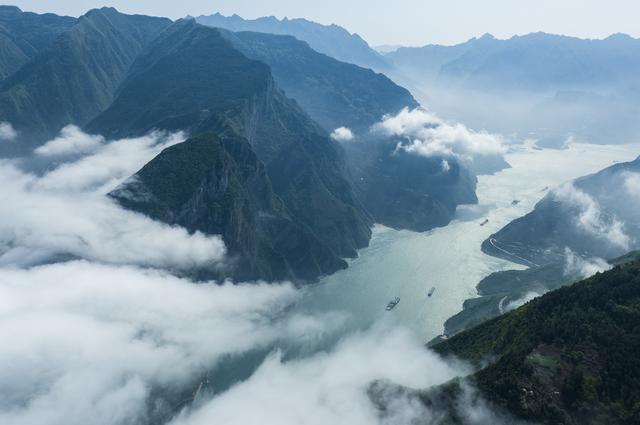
(426, 134)
(71, 141)
(330, 388)
(7, 132)
(632, 184)
(103, 341)
(583, 268)
(590, 217)
(65, 212)
(512, 305)
(87, 343)
(342, 134)
(107, 165)
(446, 167)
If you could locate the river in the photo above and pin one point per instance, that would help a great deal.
(407, 264)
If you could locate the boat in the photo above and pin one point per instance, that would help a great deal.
(486, 220)
(392, 304)
(432, 290)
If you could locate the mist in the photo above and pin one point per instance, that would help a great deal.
(421, 132)
(98, 328)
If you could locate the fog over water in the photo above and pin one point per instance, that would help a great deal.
(109, 336)
(407, 264)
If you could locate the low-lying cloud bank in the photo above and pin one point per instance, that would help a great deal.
(423, 133)
(113, 338)
(65, 212)
(583, 268)
(329, 388)
(591, 218)
(88, 343)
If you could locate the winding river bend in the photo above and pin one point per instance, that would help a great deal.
(407, 265)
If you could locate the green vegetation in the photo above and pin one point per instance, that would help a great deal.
(23, 35)
(76, 76)
(568, 357)
(191, 78)
(218, 186)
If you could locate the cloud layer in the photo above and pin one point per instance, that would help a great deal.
(65, 211)
(342, 134)
(113, 338)
(88, 343)
(7, 132)
(71, 141)
(591, 218)
(423, 133)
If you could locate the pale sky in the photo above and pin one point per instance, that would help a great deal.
(405, 22)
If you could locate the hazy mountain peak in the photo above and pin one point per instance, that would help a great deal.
(10, 9)
(332, 40)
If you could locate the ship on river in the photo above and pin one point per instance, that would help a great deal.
(393, 303)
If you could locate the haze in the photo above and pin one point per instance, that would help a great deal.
(402, 22)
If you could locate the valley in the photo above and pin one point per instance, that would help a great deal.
(265, 220)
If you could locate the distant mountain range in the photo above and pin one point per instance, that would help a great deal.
(331, 40)
(522, 63)
(545, 86)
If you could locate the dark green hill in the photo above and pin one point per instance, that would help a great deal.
(335, 94)
(23, 35)
(191, 78)
(568, 357)
(219, 187)
(76, 77)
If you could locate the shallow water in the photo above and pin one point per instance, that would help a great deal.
(407, 264)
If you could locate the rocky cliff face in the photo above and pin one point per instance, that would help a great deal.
(191, 78)
(23, 35)
(218, 186)
(75, 77)
(399, 190)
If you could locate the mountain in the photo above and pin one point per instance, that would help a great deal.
(335, 94)
(191, 78)
(331, 40)
(543, 86)
(218, 186)
(568, 357)
(426, 62)
(76, 76)
(400, 190)
(23, 35)
(403, 190)
(594, 216)
(523, 62)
